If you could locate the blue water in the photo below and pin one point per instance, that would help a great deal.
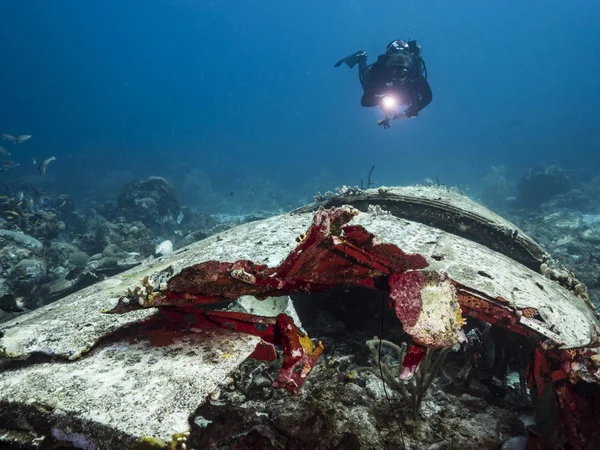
(226, 97)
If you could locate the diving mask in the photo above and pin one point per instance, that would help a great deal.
(400, 73)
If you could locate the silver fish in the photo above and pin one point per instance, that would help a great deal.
(4, 152)
(8, 137)
(44, 164)
(22, 138)
(9, 164)
(165, 248)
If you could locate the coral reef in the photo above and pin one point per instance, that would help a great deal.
(26, 209)
(540, 184)
(494, 192)
(153, 202)
(388, 358)
(49, 248)
(130, 236)
(22, 265)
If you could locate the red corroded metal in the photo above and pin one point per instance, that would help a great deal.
(264, 351)
(412, 359)
(578, 403)
(539, 371)
(405, 295)
(246, 323)
(332, 254)
(299, 355)
(480, 306)
(242, 322)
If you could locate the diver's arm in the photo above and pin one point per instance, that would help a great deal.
(371, 79)
(423, 97)
(369, 99)
(400, 116)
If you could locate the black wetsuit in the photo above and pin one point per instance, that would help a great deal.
(376, 79)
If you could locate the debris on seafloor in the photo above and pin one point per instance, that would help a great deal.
(428, 303)
(432, 279)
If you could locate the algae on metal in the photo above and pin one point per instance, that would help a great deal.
(123, 390)
(447, 210)
(569, 320)
(70, 326)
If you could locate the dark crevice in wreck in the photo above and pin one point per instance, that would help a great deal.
(250, 414)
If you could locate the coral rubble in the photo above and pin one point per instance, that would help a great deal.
(51, 247)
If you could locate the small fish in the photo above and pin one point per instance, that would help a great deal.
(4, 152)
(63, 203)
(20, 303)
(9, 164)
(8, 137)
(165, 248)
(44, 164)
(22, 138)
(14, 213)
(33, 161)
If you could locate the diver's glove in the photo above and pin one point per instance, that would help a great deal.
(385, 123)
(353, 59)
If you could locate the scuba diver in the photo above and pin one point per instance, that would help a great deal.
(397, 78)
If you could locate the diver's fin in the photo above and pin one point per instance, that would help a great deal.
(351, 60)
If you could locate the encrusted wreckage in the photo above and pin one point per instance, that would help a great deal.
(440, 258)
(429, 304)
